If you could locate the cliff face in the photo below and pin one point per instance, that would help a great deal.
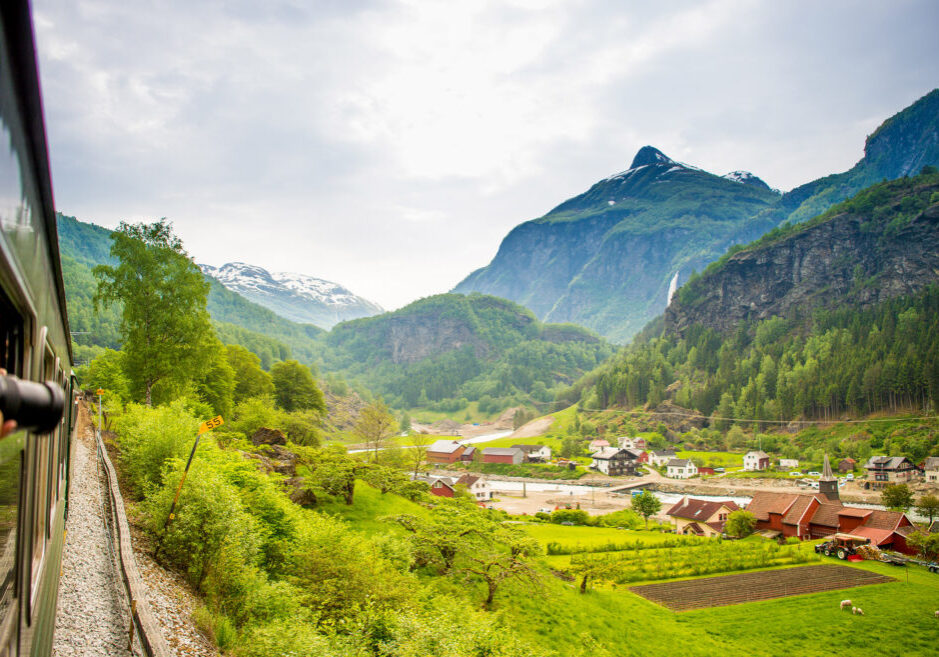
(875, 249)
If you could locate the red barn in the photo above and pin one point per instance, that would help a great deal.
(503, 455)
(441, 487)
(444, 451)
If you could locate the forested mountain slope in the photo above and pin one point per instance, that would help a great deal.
(604, 259)
(455, 346)
(836, 315)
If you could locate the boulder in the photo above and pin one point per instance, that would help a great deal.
(265, 436)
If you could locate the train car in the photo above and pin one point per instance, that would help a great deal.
(34, 345)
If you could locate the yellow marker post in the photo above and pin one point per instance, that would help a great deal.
(208, 425)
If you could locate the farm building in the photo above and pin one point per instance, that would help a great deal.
(477, 486)
(786, 464)
(816, 516)
(632, 443)
(756, 460)
(681, 469)
(613, 461)
(661, 457)
(445, 451)
(468, 454)
(700, 517)
(439, 486)
(535, 453)
(706, 471)
(846, 465)
(882, 470)
(931, 469)
(511, 455)
(639, 455)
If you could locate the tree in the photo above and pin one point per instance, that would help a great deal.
(107, 371)
(164, 322)
(740, 523)
(250, 379)
(374, 427)
(506, 555)
(646, 504)
(897, 497)
(928, 505)
(448, 531)
(294, 387)
(420, 442)
(926, 544)
(331, 471)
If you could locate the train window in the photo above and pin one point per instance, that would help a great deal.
(41, 452)
(11, 359)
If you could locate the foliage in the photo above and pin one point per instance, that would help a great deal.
(897, 497)
(928, 505)
(573, 516)
(374, 426)
(106, 372)
(926, 544)
(164, 323)
(250, 379)
(646, 504)
(740, 523)
(294, 387)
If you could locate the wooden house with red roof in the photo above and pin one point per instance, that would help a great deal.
(700, 517)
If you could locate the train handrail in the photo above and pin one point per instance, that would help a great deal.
(148, 629)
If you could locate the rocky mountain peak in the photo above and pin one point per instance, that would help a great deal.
(746, 178)
(650, 155)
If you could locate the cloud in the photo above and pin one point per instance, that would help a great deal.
(389, 146)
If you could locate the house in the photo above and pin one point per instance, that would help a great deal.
(662, 457)
(439, 486)
(468, 454)
(755, 460)
(846, 465)
(706, 471)
(638, 455)
(503, 455)
(632, 443)
(598, 444)
(931, 469)
(787, 464)
(700, 517)
(817, 516)
(681, 469)
(445, 451)
(883, 470)
(535, 453)
(477, 486)
(613, 461)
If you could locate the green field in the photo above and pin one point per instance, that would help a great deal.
(587, 537)
(714, 459)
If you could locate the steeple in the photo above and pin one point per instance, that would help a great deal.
(828, 483)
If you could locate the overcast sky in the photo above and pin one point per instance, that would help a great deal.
(390, 146)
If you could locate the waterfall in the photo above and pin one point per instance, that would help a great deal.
(671, 288)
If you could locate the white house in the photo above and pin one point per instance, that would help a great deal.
(785, 464)
(613, 461)
(478, 487)
(756, 460)
(681, 468)
(931, 469)
(662, 457)
(597, 444)
(536, 453)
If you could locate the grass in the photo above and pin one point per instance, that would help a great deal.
(591, 536)
(469, 414)
(713, 459)
(369, 506)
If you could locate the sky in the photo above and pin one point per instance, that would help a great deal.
(390, 146)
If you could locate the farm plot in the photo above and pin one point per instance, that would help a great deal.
(749, 587)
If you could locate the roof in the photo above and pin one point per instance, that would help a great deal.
(528, 448)
(694, 527)
(444, 447)
(694, 509)
(886, 462)
(798, 509)
(827, 513)
(847, 459)
(607, 453)
(635, 453)
(758, 453)
(502, 451)
(884, 519)
(877, 536)
(678, 463)
(469, 450)
(854, 512)
(664, 452)
(932, 463)
(600, 441)
(468, 480)
(764, 503)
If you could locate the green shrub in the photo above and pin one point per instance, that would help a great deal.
(217, 627)
(576, 516)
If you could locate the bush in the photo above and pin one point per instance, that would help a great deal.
(217, 627)
(148, 437)
(576, 516)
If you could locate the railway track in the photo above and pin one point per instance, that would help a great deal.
(103, 608)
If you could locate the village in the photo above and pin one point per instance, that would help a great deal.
(806, 505)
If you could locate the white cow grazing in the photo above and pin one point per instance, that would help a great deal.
(845, 604)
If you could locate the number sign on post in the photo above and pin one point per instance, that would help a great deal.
(208, 425)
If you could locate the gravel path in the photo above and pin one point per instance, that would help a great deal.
(92, 617)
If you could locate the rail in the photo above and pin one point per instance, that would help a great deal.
(145, 625)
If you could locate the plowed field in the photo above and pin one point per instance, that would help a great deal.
(748, 587)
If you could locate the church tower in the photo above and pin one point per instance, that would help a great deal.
(828, 483)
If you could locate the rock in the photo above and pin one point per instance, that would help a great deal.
(298, 493)
(265, 436)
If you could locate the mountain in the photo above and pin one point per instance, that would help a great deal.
(901, 146)
(297, 297)
(238, 321)
(881, 244)
(453, 346)
(834, 316)
(604, 259)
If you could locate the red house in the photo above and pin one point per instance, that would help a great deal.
(503, 455)
(445, 451)
(441, 487)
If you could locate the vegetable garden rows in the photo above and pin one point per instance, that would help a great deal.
(748, 587)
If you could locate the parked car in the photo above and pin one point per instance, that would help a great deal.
(933, 567)
(850, 476)
(815, 474)
(795, 474)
